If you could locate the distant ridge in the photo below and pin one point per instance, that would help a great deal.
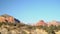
(42, 23)
(54, 22)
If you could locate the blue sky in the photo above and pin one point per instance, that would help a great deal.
(31, 11)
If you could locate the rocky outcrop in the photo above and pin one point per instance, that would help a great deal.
(41, 23)
(54, 23)
(8, 18)
(2, 19)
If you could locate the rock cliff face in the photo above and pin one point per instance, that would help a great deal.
(41, 23)
(8, 18)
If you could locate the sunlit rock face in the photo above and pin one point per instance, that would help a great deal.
(2, 19)
(8, 18)
(54, 23)
(41, 23)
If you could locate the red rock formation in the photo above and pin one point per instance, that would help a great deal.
(8, 19)
(2, 19)
(41, 23)
(54, 23)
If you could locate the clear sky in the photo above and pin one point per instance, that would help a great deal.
(31, 11)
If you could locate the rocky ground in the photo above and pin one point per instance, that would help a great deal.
(10, 28)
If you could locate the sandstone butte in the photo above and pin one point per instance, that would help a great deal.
(41, 23)
(8, 18)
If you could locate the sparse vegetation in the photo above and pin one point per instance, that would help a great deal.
(11, 26)
(16, 27)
